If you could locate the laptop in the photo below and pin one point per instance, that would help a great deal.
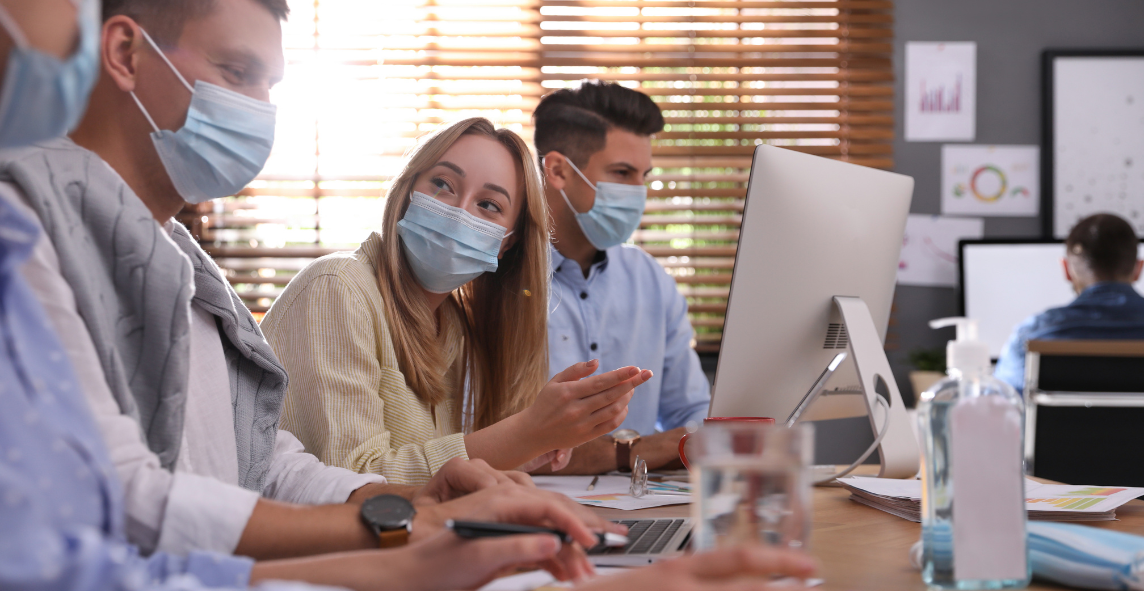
(649, 541)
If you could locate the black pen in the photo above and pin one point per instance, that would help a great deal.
(471, 530)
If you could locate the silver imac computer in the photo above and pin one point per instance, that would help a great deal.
(814, 275)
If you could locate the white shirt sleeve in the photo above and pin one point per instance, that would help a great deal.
(174, 513)
(298, 477)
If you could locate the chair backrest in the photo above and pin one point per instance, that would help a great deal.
(1084, 404)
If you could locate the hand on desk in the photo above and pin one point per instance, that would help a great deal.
(744, 568)
(598, 456)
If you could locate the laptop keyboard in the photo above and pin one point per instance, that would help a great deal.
(645, 536)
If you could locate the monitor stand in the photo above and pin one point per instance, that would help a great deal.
(899, 450)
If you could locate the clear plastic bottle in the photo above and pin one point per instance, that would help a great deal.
(973, 487)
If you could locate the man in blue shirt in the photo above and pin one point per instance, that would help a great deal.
(1101, 264)
(612, 301)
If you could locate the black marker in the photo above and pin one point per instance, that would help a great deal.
(471, 530)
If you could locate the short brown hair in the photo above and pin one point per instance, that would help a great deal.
(575, 121)
(164, 19)
(1107, 244)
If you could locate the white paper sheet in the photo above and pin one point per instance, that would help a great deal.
(941, 91)
(611, 492)
(929, 248)
(990, 180)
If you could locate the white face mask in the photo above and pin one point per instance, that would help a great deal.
(223, 145)
(447, 246)
(614, 216)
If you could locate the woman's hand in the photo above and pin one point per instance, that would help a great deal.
(573, 408)
(744, 568)
(554, 460)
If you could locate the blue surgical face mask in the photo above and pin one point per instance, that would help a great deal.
(615, 214)
(222, 146)
(44, 97)
(447, 246)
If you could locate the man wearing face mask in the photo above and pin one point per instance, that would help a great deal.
(185, 390)
(613, 301)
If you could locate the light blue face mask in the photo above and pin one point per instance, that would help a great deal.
(615, 214)
(43, 96)
(223, 144)
(447, 246)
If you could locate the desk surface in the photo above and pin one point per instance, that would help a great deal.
(862, 548)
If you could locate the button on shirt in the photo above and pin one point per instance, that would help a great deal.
(1103, 311)
(61, 506)
(628, 311)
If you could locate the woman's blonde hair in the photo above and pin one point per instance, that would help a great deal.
(502, 315)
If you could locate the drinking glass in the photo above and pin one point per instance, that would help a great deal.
(751, 484)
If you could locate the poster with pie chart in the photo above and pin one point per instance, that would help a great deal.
(982, 180)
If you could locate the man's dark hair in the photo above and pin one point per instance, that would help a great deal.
(164, 19)
(575, 121)
(1107, 244)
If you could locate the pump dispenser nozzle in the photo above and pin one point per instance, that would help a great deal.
(966, 354)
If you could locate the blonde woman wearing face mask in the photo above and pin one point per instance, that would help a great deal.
(380, 343)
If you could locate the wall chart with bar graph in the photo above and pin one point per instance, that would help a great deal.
(941, 91)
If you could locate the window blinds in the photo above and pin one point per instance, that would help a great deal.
(366, 78)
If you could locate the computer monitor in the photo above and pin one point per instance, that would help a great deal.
(1003, 282)
(815, 230)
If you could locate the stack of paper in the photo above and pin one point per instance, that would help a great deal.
(1045, 502)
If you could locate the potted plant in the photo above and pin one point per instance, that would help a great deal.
(929, 367)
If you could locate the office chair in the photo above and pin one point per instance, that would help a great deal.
(1084, 411)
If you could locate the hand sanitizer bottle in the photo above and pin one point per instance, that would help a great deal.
(973, 484)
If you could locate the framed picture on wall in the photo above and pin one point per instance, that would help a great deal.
(1092, 159)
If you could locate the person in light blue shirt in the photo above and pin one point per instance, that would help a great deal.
(1101, 264)
(611, 301)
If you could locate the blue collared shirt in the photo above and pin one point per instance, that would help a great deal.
(629, 312)
(1103, 311)
(61, 507)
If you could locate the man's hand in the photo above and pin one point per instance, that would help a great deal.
(746, 568)
(659, 450)
(513, 503)
(458, 478)
(443, 561)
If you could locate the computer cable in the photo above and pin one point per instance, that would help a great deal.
(877, 441)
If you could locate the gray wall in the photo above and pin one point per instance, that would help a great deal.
(1010, 35)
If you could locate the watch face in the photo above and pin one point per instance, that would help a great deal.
(388, 512)
(626, 435)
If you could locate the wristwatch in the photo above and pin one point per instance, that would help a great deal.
(390, 517)
(624, 440)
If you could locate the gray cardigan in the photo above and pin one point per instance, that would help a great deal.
(134, 286)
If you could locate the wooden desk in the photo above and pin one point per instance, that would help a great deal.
(862, 548)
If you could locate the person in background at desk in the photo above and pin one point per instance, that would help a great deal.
(610, 300)
(1101, 264)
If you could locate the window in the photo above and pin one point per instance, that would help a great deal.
(366, 78)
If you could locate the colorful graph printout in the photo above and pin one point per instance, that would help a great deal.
(979, 180)
(941, 91)
(1070, 503)
(1095, 491)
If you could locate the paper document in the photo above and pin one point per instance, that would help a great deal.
(1044, 502)
(539, 580)
(612, 492)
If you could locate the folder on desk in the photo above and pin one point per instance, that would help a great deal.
(1044, 502)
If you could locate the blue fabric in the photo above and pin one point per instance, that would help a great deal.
(630, 308)
(1103, 311)
(1086, 557)
(61, 507)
